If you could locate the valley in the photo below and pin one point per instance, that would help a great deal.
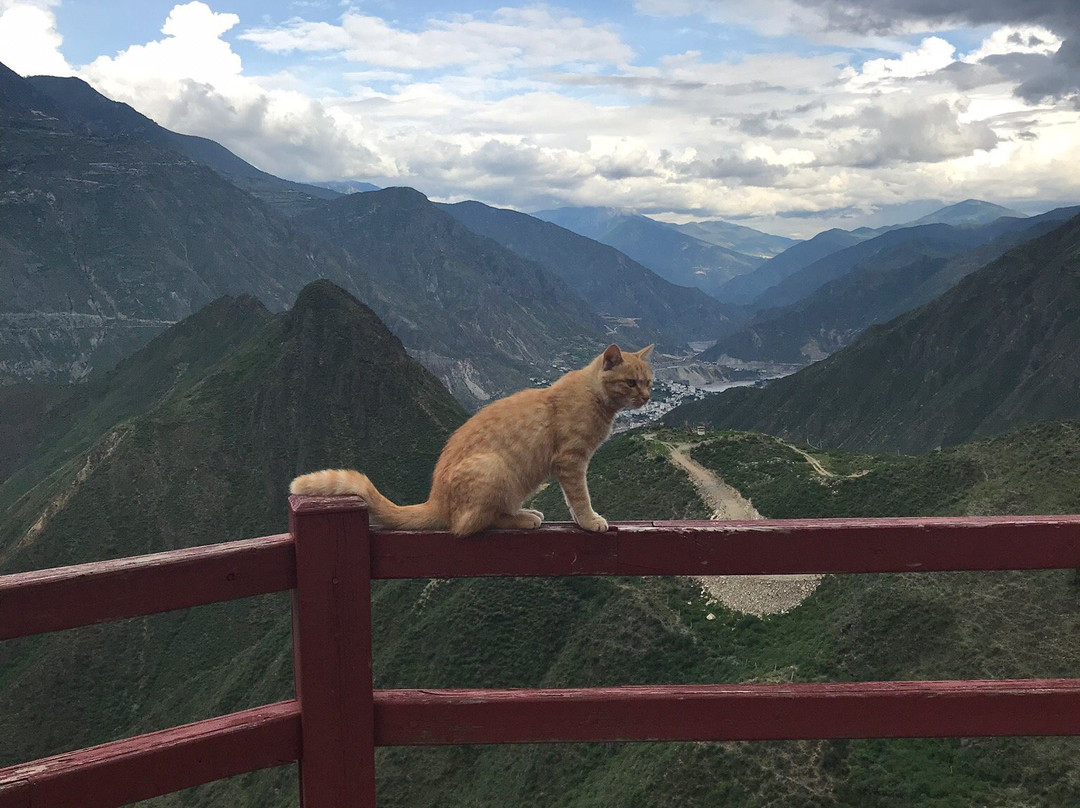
(181, 333)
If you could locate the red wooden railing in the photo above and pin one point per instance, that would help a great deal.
(337, 719)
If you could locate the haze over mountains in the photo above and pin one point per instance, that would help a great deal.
(994, 352)
(680, 258)
(130, 227)
(835, 298)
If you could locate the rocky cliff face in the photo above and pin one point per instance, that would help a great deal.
(482, 318)
(106, 240)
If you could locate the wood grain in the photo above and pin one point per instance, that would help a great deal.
(729, 712)
(145, 766)
(760, 547)
(68, 597)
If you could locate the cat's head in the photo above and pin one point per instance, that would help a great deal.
(626, 377)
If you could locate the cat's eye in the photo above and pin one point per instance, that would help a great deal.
(631, 382)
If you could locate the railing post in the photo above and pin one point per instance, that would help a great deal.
(332, 652)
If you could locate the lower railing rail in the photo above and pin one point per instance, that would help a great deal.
(329, 559)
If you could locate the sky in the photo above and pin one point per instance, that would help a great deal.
(786, 115)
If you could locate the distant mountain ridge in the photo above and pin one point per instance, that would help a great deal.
(104, 241)
(890, 248)
(909, 273)
(639, 304)
(116, 235)
(481, 317)
(970, 212)
(737, 237)
(995, 352)
(93, 114)
(750, 287)
(347, 186)
(675, 256)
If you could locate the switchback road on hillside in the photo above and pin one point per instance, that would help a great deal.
(759, 595)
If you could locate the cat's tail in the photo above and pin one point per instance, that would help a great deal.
(339, 482)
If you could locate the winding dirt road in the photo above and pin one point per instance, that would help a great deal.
(759, 595)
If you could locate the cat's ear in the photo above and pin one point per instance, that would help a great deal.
(612, 356)
(645, 352)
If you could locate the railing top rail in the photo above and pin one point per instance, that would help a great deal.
(770, 546)
(81, 595)
(67, 597)
(331, 585)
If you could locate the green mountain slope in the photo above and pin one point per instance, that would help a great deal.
(42, 426)
(994, 352)
(326, 384)
(323, 384)
(854, 627)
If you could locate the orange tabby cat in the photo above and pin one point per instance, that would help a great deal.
(499, 457)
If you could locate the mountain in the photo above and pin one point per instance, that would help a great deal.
(891, 249)
(634, 300)
(482, 318)
(209, 460)
(967, 213)
(111, 232)
(891, 282)
(91, 113)
(42, 426)
(674, 256)
(104, 241)
(745, 289)
(993, 353)
(591, 222)
(736, 237)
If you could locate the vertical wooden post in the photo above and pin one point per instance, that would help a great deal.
(332, 651)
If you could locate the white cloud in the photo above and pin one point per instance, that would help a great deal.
(512, 38)
(192, 50)
(29, 41)
(192, 81)
(537, 107)
(933, 54)
(1016, 39)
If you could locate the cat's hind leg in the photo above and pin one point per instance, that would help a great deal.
(522, 520)
(466, 521)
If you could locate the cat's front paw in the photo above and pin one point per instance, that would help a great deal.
(594, 523)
